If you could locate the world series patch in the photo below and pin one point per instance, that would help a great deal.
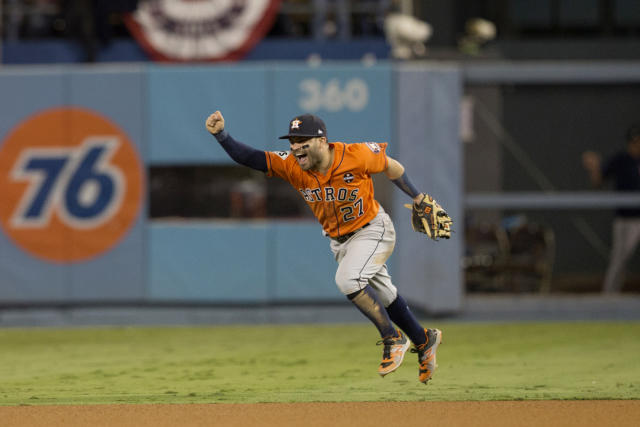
(348, 177)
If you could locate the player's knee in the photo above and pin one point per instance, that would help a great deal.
(387, 296)
(347, 283)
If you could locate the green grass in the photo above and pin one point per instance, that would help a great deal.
(315, 363)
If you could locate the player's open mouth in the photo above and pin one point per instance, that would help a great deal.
(302, 158)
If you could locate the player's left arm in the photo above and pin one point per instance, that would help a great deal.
(396, 173)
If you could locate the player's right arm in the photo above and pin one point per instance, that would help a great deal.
(239, 152)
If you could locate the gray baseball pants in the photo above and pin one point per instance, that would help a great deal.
(626, 235)
(361, 259)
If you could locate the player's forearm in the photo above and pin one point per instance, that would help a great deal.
(241, 153)
(407, 186)
(396, 173)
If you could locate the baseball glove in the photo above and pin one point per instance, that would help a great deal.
(429, 218)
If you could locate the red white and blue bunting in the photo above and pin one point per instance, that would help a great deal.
(201, 30)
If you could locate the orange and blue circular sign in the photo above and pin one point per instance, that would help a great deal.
(71, 184)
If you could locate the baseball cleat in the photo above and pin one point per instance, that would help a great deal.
(427, 354)
(393, 353)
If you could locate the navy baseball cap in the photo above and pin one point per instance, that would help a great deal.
(306, 125)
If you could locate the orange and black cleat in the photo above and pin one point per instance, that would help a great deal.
(393, 353)
(427, 354)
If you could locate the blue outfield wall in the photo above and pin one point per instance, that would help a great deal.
(258, 101)
(240, 262)
(162, 110)
(25, 277)
(208, 262)
(180, 99)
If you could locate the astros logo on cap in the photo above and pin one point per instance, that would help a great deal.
(71, 183)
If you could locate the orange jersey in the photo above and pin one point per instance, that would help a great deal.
(342, 199)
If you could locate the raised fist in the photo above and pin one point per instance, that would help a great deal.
(215, 123)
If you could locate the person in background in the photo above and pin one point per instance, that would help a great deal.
(624, 169)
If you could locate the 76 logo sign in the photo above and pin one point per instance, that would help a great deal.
(71, 184)
(77, 183)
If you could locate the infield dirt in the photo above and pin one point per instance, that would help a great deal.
(353, 414)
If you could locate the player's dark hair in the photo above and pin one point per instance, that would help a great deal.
(633, 132)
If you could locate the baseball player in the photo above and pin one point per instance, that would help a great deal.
(334, 179)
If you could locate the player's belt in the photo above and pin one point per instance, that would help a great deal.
(345, 237)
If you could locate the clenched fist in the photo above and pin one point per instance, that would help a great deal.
(215, 123)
